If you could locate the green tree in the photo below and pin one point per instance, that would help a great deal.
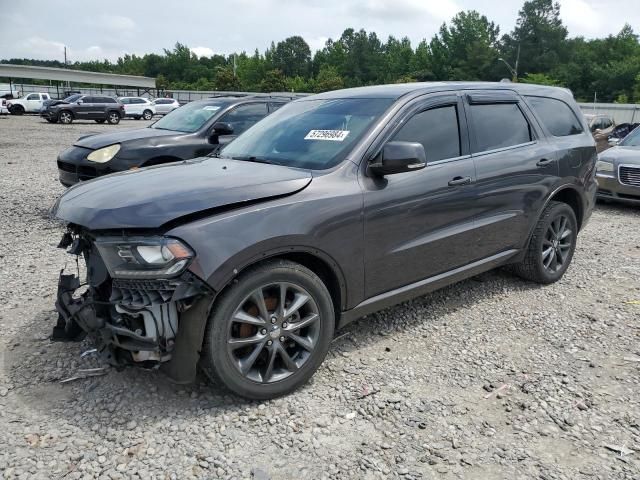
(274, 81)
(225, 80)
(539, 35)
(328, 79)
(466, 49)
(540, 79)
(292, 56)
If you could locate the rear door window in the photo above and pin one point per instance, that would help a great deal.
(33, 96)
(498, 125)
(437, 129)
(556, 115)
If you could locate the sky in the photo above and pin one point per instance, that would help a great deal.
(93, 29)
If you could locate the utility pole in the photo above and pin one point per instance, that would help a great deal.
(65, 56)
(512, 70)
(234, 65)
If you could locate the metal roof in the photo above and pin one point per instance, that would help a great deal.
(76, 76)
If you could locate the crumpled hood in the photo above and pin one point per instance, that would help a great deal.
(105, 139)
(622, 155)
(153, 196)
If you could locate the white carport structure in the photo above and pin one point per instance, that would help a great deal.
(76, 76)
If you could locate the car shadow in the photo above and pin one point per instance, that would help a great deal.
(35, 366)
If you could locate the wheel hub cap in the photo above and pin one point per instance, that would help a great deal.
(273, 332)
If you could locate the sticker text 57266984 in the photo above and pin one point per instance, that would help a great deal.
(330, 135)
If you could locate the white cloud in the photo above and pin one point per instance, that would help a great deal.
(581, 18)
(43, 48)
(116, 22)
(316, 43)
(407, 9)
(202, 51)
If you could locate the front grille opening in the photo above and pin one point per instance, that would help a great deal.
(629, 176)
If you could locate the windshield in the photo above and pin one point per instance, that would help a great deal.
(72, 98)
(315, 134)
(631, 140)
(189, 118)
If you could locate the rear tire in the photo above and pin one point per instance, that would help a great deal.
(256, 349)
(113, 117)
(551, 245)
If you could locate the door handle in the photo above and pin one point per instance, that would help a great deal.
(544, 162)
(457, 181)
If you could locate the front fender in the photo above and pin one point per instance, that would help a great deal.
(323, 220)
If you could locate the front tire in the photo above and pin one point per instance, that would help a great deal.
(551, 246)
(65, 117)
(113, 118)
(52, 120)
(17, 110)
(147, 114)
(270, 331)
(100, 121)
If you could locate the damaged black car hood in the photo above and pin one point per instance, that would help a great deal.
(154, 196)
(105, 139)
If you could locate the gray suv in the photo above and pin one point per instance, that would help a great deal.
(84, 107)
(335, 206)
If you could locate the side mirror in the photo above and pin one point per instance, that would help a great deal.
(613, 141)
(222, 128)
(79, 102)
(399, 157)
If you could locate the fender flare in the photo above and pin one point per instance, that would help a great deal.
(233, 267)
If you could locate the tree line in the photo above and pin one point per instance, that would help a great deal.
(469, 47)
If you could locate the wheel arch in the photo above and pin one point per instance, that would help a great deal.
(571, 196)
(182, 367)
(314, 259)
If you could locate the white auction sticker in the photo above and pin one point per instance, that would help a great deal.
(330, 135)
(212, 108)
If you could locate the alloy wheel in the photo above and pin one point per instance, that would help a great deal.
(65, 117)
(557, 243)
(114, 117)
(273, 332)
(147, 115)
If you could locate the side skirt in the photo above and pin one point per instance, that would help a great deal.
(423, 287)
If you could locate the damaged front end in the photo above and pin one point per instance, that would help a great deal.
(136, 293)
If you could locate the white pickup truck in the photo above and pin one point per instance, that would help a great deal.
(30, 103)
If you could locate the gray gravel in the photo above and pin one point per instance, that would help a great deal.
(490, 378)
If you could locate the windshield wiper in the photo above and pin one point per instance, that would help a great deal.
(253, 158)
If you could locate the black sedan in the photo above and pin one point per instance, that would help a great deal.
(194, 130)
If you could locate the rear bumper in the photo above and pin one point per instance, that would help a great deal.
(609, 188)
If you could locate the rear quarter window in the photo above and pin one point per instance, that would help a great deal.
(556, 115)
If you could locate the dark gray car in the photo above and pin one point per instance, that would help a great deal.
(99, 108)
(335, 206)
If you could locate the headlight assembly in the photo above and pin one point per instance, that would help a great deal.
(602, 166)
(144, 257)
(105, 154)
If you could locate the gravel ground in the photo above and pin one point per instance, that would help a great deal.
(489, 378)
